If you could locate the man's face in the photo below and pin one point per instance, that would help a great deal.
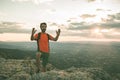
(43, 27)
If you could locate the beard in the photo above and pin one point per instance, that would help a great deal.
(43, 30)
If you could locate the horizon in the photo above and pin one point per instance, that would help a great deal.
(71, 41)
(80, 20)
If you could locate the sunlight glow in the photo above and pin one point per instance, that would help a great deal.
(96, 33)
(105, 30)
(15, 37)
(97, 30)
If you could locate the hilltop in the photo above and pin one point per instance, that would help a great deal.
(12, 69)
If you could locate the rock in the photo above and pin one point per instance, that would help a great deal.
(12, 69)
(20, 76)
(73, 74)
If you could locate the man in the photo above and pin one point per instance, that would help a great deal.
(42, 39)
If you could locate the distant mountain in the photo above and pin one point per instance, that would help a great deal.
(69, 46)
(16, 53)
(19, 45)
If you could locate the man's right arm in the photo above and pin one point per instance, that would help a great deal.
(32, 34)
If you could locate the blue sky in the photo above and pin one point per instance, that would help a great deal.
(79, 20)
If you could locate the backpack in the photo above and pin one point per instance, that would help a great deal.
(39, 35)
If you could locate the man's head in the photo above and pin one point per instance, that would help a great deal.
(43, 27)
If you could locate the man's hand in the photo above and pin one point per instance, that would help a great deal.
(58, 32)
(33, 31)
(57, 36)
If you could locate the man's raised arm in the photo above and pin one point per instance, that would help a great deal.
(57, 35)
(32, 34)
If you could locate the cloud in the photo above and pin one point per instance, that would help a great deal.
(91, 0)
(71, 19)
(102, 9)
(94, 0)
(12, 27)
(115, 17)
(109, 28)
(84, 16)
(80, 26)
(87, 26)
(115, 25)
(21, 0)
(34, 1)
(53, 24)
(112, 21)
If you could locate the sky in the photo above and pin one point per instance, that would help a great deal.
(79, 20)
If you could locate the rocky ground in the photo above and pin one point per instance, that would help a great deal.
(12, 69)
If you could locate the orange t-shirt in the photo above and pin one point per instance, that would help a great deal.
(44, 42)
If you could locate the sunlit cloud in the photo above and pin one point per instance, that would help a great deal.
(12, 27)
(84, 16)
(107, 29)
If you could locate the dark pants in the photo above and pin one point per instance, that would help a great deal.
(44, 57)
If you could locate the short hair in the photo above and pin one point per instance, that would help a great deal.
(43, 23)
